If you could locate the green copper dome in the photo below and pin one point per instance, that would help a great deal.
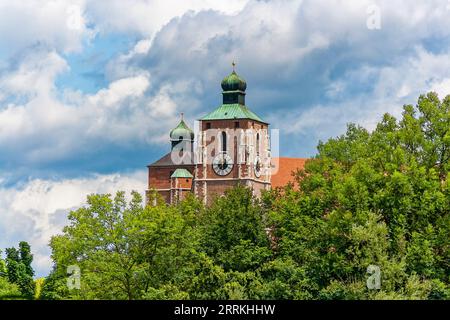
(233, 83)
(181, 173)
(181, 132)
(233, 106)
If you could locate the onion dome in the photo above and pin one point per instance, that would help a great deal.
(233, 82)
(181, 132)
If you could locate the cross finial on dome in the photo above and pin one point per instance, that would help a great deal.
(234, 65)
(182, 116)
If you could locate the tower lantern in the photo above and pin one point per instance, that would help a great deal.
(182, 134)
(233, 87)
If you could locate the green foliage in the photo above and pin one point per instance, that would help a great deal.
(233, 231)
(12, 265)
(38, 288)
(375, 198)
(3, 270)
(9, 291)
(368, 198)
(124, 251)
(26, 258)
(16, 271)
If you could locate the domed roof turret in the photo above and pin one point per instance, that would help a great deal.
(181, 132)
(233, 106)
(233, 82)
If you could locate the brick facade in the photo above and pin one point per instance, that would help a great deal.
(246, 140)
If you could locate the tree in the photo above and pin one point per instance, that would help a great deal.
(12, 265)
(19, 270)
(9, 290)
(3, 271)
(26, 258)
(378, 197)
(234, 232)
(124, 250)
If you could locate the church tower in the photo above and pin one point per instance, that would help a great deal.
(233, 145)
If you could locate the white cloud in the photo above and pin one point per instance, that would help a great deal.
(442, 87)
(41, 125)
(146, 17)
(35, 75)
(65, 25)
(393, 87)
(57, 24)
(37, 210)
(127, 87)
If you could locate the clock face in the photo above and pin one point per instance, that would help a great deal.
(222, 164)
(257, 167)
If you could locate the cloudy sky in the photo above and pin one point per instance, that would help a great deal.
(90, 89)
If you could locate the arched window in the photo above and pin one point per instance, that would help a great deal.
(224, 141)
(257, 143)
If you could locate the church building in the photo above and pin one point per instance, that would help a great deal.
(231, 146)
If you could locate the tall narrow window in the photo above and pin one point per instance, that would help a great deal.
(257, 143)
(224, 141)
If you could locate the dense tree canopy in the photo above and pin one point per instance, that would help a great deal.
(379, 198)
(16, 273)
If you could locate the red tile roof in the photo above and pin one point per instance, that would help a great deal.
(286, 166)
